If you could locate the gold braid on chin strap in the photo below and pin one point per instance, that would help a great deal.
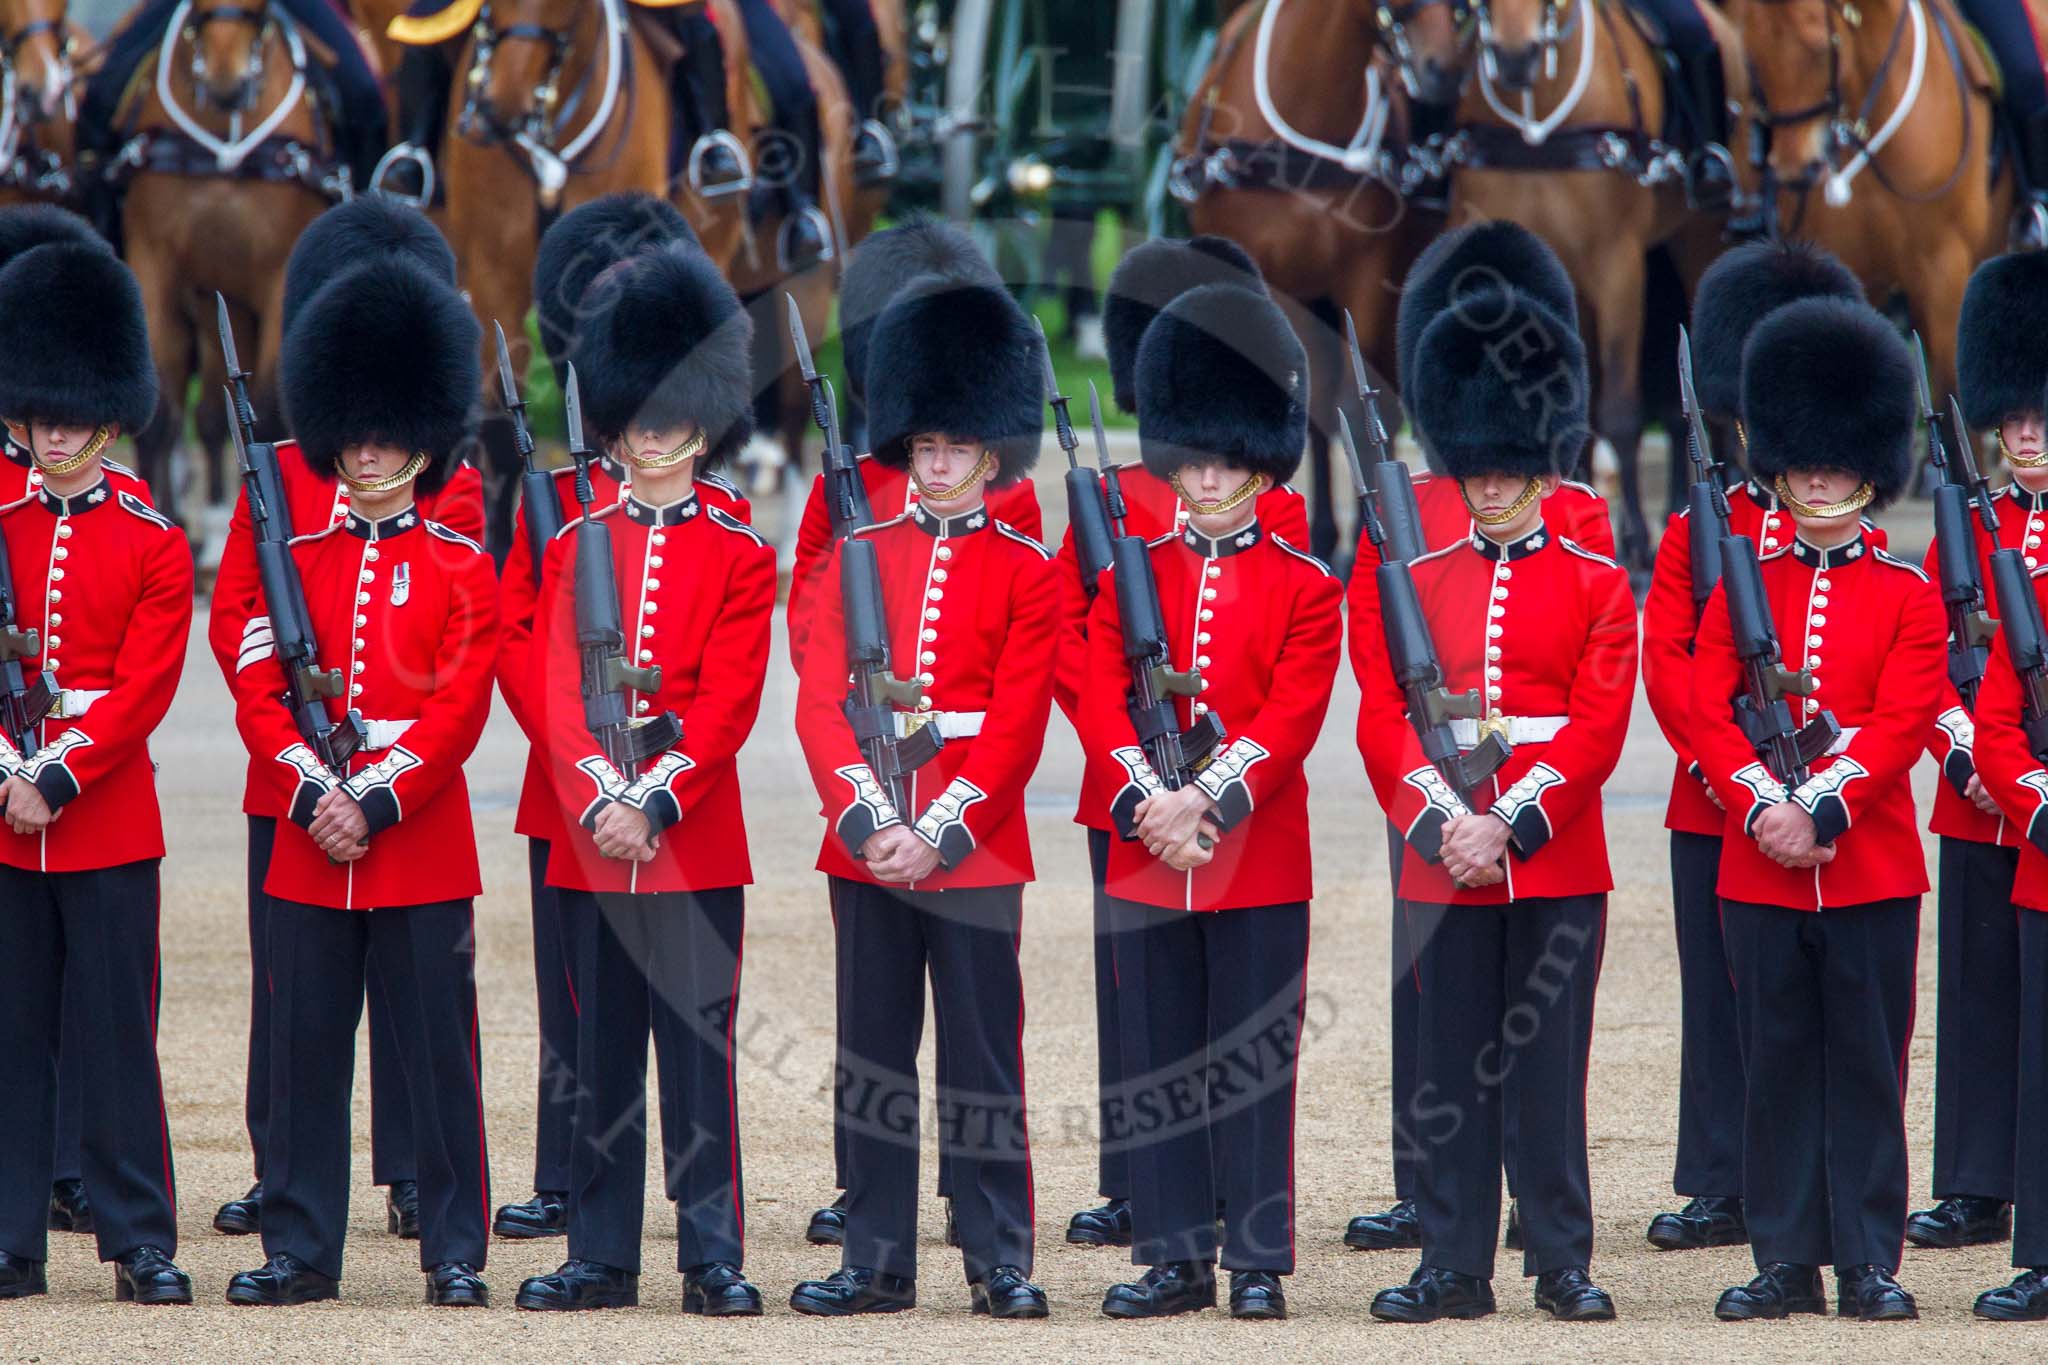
(390, 481)
(1532, 491)
(1242, 494)
(689, 449)
(1847, 507)
(929, 493)
(2017, 460)
(93, 446)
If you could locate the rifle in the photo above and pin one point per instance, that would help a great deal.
(23, 702)
(2019, 615)
(1176, 755)
(536, 486)
(1087, 510)
(874, 690)
(1411, 653)
(600, 633)
(1970, 628)
(846, 497)
(1707, 499)
(307, 687)
(1399, 520)
(1762, 711)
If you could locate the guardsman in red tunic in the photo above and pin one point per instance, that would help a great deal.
(103, 592)
(1149, 277)
(581, 245)
(1452, 266)
(1736, 292)
(2001, 363)
(879, 269)
(1505, 886)
(1821, 876)
(238, 631)
(1210, 880)
(376, 858)
(649, 861)
(933, 876)
(23, 227)
(2013, 773)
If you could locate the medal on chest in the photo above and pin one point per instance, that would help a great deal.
(401, 584)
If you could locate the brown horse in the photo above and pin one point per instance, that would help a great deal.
(227, 161)
(1880, 127)
(1266, 164)
(1558, 131)
(40, 75)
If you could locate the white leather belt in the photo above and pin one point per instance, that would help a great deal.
(384, 733)
(73, 702)
(949, 724)
(1841, 744)
(1519, 729)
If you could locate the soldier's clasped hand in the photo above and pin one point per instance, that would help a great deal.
(1473, 846)
(896, 855)
(1784, 833)
(1170, 820)
(27, 812)
(623, 833)
(339, 827)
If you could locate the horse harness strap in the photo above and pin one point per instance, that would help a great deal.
(1578, 147)
(275, 161)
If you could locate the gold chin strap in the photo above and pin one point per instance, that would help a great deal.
(960, 489)
(2017, 460)
(1245, 491)
(1521, 504)
(691, 447)
(1847, 507)
(93, 446)
(399, 480)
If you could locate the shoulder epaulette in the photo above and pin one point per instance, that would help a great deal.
(119, 468)
(1888, 557)
(599, 515)
(1583, 553)
(435, 528)
(1585, 488)
(135, 506)
(1004, 528)
(320, 534)
(721, 483)
(1440, 553)
(1302, 555)
(722, 518)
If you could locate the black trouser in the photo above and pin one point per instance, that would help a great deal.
(553, 963)
(1825, 1002)
(1976, 1021)
(2030, 1181)
(100, 929)
(1112, 1175)
(857, 48)
(787, 166)
(667, 963)
(1503, 1028)
(1710, 1045)
(886, 938)
(426, 969)
(1210, 1003)
(70, 1086)
(1403, 996)
(391, 1126)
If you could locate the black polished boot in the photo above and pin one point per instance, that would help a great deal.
(952, 1232)
(1869, 1293)
(456, 1284)
(719, 1290)
(804, 241)
(1398, 1229)
(1961, 1220)
(1256, 1295)
(70, 1210)
(1107, 1225)
(828, 1225)
(240, 1217)
(578, 1285)
(855, 1289)
(875, 161)
(1699, 83)
(2024, 1300)
(402, 1209)
(147, 1275)
(21, 1278)
(1007, 1294)
(544, 1215)
(1779, 1290)
(2028, 230)
(1707, 1221)
(1512, 1238)
(718, 166)
(1570, 1295)
(281, 1281)
(1176, 1287)
(1432, 1294)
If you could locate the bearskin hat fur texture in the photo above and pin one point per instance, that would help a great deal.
(75, 338)
(2001, 343)
(1220, 374)
(583, 244)
(665, 341)
(1829, 383)
(1737, 291)
(1467, 260)
(959, 357)
(386, 351)
(350, 233)
(24, 227)
(1500, 386)
(883, 264)
(1150, 276)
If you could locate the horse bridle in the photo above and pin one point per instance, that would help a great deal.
(539, 124)
(258, 20)
(1393, 20)
(12, 43)
(1551, 31)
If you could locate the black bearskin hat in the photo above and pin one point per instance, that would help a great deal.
(1829, 382)
(2002, 338)
(1500, 386)
(386, 352)
(1734, 295)
(961, 358)
(24, 227)
(352, 232)
(1220, 374)
(1462, 262)
(664, 340)
(882, 265)
(583, 244)
(75, 338)
(1150, 276)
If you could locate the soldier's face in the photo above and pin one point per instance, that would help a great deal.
(1212, 482)
(1820, 488)
(55, 442)
(1494, 493)
(645, 445)
(371, 461)
(2025, 434)
(944, 461)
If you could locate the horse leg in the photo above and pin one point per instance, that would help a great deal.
(1936, 306)
(1617, 412)
(170, 345)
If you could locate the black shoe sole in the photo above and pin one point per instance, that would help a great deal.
(819, 1309)
(1088, 1237)
(1816, 1307)
(23, 1291)
(65, 1222)
(246, 1299)
(125, 1293)
(1464, 1312)
(465, 1299)
(1265, 1312)
(824, 1235)
(1134, 1313)
(1945, 1242)
(524, 1232)
(1602, 1314)
(1734, 1237)
(2008, 1315)
(627, 1299)
(703, 1308)
(1371, 1242)
(1027, 1313)
(1848, 1313)
(235, 1224)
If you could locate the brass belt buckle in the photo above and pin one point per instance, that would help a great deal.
(1494, 723)
(913, 721)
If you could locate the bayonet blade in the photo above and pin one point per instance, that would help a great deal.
(1095, 416)
(800, 340)
(1359, 379)
(1351, 451)
(507, 385)
(227, 396)
(831, 404)
(1920, 374)
(227, 343)
(572, 413)
(1052, 379)
(1685, 390)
